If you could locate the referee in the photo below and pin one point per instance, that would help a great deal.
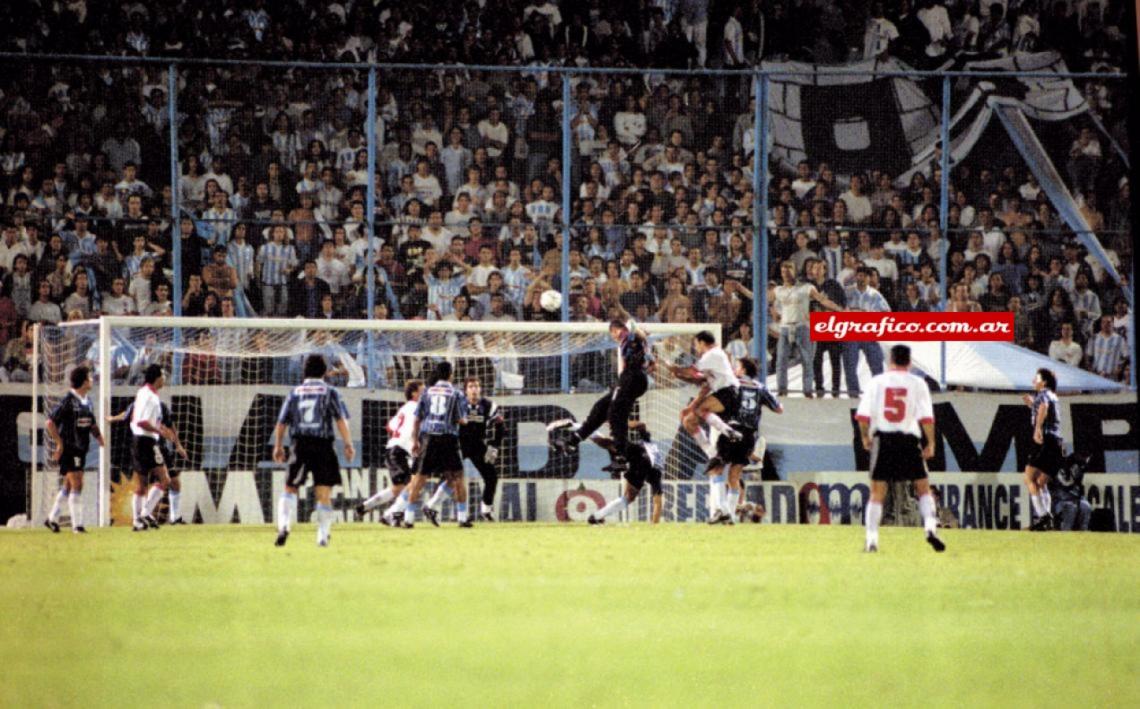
(70, 426)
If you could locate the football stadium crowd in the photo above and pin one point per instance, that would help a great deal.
(273, 169)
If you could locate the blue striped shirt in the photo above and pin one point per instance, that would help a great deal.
(869, 300)
(241, 258)
(1052, 424)
(440, 410)
(312, 409)
(441, 292)
(276, 262)
(1107, 354)
(833, 256)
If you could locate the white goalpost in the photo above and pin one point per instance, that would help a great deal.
(226, 379)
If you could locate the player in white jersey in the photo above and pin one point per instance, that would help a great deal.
(719, 395)
(148, 461)
(400, 445)
(893, 415)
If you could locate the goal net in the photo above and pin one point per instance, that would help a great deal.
(227, 379)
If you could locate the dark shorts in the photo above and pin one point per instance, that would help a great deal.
(399, 466)
(72, 461)
(440, 456)
(897, 456)
(146, 454)
(729, 398)
(316, 456)
(639, 474)
(1047, 457)
(736, 452)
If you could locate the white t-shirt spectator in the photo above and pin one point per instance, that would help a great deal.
(1070, 354)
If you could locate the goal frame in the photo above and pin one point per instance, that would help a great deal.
(108, 324)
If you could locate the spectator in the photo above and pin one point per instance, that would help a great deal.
(45, 310)
(1108, 352)
(1065, 349)
(862, 297)
(304, 299)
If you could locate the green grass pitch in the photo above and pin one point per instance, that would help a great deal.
(568, 615)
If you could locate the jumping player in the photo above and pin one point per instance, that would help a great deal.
(440, 413)
(170, 445)
(1047, 455)
(891, 411)
(148, 460)
(718, 395)
(70, 426)
(736, 454)
(309, 415)
(634, 365)
(400, 444)
(643, 468)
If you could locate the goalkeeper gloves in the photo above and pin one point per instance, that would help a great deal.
(491, 455)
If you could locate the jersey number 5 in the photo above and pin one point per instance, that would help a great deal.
(894, 404)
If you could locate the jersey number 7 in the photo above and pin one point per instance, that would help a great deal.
(894, 404)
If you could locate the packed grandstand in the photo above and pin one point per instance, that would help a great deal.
(268, 213)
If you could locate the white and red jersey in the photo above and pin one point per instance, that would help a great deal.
(148, 407)
(716, 368)
(896, 401)
(401, 425)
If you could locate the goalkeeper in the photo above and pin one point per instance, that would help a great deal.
(480, 440)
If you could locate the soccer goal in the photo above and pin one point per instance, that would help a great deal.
(227, 378)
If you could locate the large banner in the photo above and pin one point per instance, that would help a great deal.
(976, 500)
(976, 432)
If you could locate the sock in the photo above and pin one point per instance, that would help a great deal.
(55, 509)
(75, 506)
(929, 514)
(461, 511)
(485, 509)
(378, 499)
(437, 496)
(874, 514)
(136, 507)
(730, 498)
(324, 522)
(703, 441)
(175, 505)
(152, 499)
(399, 505)
(615, 505)
(410, 511)
(716, 495)
(1047, 500)
(286, 508)
(1038, 504)
(717, 422)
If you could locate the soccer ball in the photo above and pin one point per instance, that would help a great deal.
(550, 301)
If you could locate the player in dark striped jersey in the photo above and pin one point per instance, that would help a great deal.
(310, 414)
(616, 406)
(441, 412)
(70, 425)
(1048, 454)
(736, 452)
(479, 440)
